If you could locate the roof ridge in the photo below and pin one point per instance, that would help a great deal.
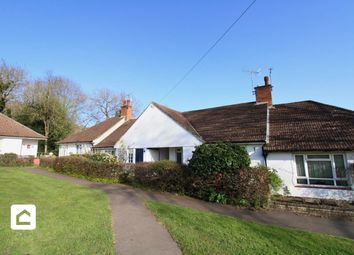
(318, 103)
(90, 129)
(128, 123)
(11, 119)
(217, 107)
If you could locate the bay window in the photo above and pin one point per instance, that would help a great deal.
(321, 169)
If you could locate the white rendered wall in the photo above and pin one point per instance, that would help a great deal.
(71, 148)
(29, 147)
(255, 151)
(154, 129)
(10, 145)
(285, 166)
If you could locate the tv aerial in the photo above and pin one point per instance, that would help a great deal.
(253, 75)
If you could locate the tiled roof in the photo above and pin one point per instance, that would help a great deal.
(298, 126)
(234, 123)
(310, 126)
(12, 128)
(111, 140)
(231, 123)
(90, 134)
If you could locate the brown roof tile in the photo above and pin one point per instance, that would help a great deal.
(231, 123)
(12, 128)
(90, 134)
(111, 140)
(234, 123)
(310, 126)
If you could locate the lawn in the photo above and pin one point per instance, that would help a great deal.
(198, 232)
(70, 219)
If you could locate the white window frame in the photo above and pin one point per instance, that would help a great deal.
(78, 148)
(131, 155)
(334, 174)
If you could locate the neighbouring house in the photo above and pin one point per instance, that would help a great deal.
(17, 138)
(96, 139)
(309, 144)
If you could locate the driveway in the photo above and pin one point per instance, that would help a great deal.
(137, 231)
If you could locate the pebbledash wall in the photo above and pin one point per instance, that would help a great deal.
(20, 146)
(284, 164)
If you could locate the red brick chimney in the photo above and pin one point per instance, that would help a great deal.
(126, 109)
(264, 93)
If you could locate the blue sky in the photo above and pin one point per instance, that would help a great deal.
(144, 47)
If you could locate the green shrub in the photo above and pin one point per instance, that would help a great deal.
(250, 184)
(209, 159)
(275, 181)
(101, 157)
(161, 175)
(11, 159)
(247, 186)
(75, 165)
(217, 197)
(48, 162)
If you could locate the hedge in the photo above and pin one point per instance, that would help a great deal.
(11, 159)
(162, 175)
(249, 186)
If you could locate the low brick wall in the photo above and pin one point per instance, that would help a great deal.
(315, 207)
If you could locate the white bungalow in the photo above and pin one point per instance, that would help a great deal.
(95, 139)
(310, 144)
(17, 138)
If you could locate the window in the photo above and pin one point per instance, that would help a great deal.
(78, 148)
(130, 155)
(321, 169)
(179, 155)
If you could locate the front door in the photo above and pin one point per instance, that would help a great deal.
(139, 155)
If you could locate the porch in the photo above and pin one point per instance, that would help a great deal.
(137, 155)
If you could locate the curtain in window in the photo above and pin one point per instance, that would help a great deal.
(320, 169)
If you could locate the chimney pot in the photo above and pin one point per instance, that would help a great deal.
(126, 110)
(266, 81)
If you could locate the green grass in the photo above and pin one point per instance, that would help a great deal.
(70, 219)
(199, 232)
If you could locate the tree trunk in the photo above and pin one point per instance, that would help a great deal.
(46, 134)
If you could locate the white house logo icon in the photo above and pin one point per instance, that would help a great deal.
(23, 217)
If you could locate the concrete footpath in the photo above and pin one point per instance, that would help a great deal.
(137, 231)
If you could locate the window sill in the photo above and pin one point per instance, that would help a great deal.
(323, 187)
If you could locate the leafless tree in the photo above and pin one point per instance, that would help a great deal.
(104, 104)
(11, 81)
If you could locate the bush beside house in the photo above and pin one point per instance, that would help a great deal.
(12, 159)
(227, 180)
